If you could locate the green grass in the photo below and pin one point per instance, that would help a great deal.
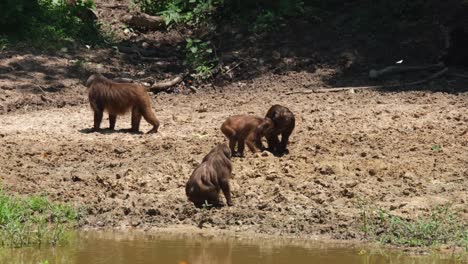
(33, 221)
(442, 226)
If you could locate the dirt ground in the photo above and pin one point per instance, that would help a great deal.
(348, 149)
(404, 152)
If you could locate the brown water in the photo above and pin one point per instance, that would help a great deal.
(139, 248)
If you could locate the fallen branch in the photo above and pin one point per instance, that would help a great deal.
(459, 75)
(161, 86)
(129, 50)
(235, 66)
(193, 89)
(144, 21)
(123, 80)
(374, 74)
(339, 89)
(113, 6)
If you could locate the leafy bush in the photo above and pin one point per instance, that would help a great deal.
(47, 23)
(200, 57)
(192, 12)
(14, 13)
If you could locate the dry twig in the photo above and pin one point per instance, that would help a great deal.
(324, 90)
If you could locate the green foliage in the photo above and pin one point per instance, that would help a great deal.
(48, 23)
(192, 12)
(33, 221)
(15, 12)
(436, 148)
(442, 226)
(265, 22)
(3, 43)
(201, 58)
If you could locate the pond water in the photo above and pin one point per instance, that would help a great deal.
(140, 248)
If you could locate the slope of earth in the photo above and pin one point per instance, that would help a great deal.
(404, 152)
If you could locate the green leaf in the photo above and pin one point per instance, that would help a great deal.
(194, 49)
(435, 148)
(209, 50)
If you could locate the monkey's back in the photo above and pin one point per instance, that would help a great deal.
(117, 98)
(240, 125)
(202, 184)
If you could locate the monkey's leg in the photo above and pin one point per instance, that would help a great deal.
(251, 146)
(151, 118)
(97, 119)
(232, 146)
(224, 184)
(241, 146)
(136, 118)
(284, 141)
(273, 143)
(285, 138)
(112, 120)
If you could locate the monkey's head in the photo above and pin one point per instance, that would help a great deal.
(93, 78)
(266, 127)
(223, 148)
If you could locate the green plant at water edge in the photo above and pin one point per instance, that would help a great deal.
(201, 58)
(33, 221)
(443, 226)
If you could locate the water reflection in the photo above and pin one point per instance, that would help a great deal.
(140, 248)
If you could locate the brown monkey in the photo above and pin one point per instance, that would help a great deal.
(117, 99)
(284, 123)
(211, 176)
(244, 129)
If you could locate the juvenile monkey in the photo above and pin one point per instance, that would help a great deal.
(117, 99)
(245, 129)
(211, 176)
(284, 123)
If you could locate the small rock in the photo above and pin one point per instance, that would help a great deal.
(276, 55)
(152, 212)
(347, 193)
(327, 170)
(76, 178)
(120, 150)
(271, 177)
(322, 183)
(126, 210)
